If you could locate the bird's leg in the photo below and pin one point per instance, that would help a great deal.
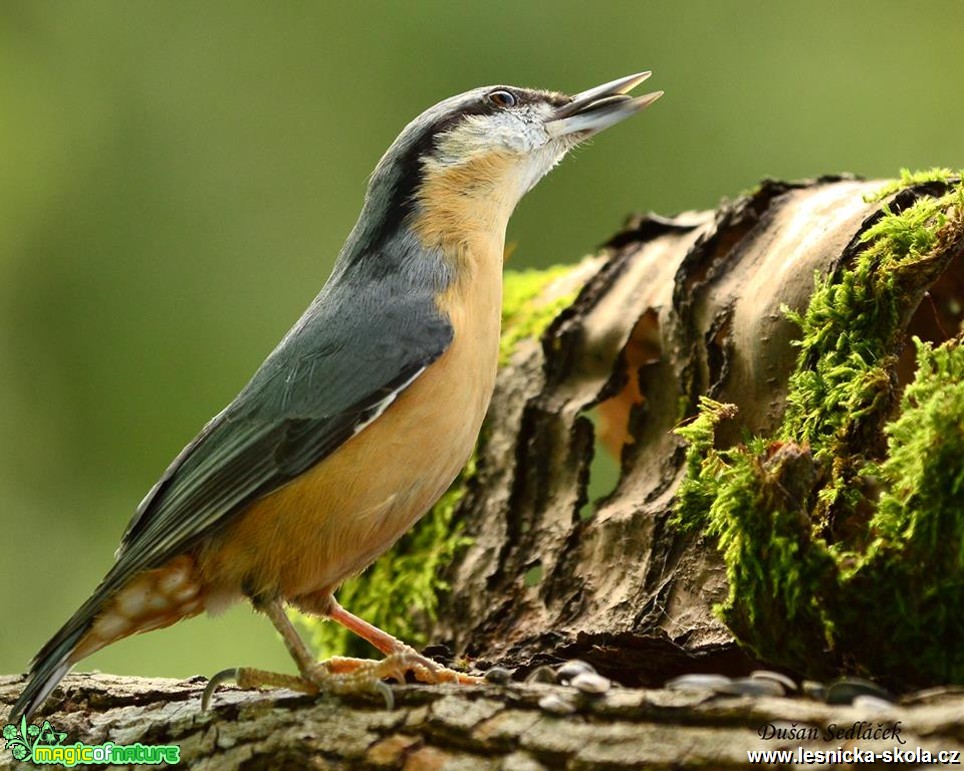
(385, 642)
(392, 646)
(338, 675)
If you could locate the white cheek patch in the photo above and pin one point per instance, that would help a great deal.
(520, 132)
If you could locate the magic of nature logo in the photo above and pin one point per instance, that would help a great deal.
(44, 745)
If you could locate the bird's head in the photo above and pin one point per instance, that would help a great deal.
(461, 166)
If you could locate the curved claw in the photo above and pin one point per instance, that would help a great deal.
(221, 677)
(386, 691)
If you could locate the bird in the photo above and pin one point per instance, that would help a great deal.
(361, 417)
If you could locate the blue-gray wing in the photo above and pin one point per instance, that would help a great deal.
(372, 331)
(341, 365)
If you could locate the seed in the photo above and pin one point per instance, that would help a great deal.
(571, 669)
(872, 704)
(590, 682)
(748, 686)
(542, 674)
(765, 674)
(698, 682)
(499, 676)
(846, 690)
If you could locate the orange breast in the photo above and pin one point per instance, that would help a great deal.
(334, 520)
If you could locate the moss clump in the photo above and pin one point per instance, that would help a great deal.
(751, 500)
(842, 556)
(400, 592)
(526, 312)
(843, 387)
(915, 565)
(910, 178)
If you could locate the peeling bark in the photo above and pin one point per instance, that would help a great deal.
(672, 309)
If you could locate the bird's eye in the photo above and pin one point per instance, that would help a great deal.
(502, 98)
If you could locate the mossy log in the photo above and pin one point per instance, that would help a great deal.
(783, 494)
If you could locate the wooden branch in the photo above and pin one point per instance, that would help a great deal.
(479, 728)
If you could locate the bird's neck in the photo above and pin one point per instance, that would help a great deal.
(462, 210)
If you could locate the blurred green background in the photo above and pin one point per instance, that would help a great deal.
(176, 178)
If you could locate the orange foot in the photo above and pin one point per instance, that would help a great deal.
(341, 676)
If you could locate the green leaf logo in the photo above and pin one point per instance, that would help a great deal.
(21, 740)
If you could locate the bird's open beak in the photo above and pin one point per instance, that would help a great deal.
(598, 108)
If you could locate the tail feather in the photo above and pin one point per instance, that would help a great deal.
(54, 660)
(46, 671)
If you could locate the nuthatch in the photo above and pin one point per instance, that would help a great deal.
(362, 416)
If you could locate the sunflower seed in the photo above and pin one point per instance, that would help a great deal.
(498, 676)
(765, 674)
(846, 690)
(571, 669)
(590, 682)
(542, 674)
(698, 682)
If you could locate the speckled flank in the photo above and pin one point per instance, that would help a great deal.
(154, 599)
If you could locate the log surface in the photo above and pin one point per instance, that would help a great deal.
(478, 727)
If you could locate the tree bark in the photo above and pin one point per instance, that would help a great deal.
(671, 310)
(470, 727)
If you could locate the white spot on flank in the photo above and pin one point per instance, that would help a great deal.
(110, 627)
(186, 593)
(156, 602)
(172, 580)
(134, 600)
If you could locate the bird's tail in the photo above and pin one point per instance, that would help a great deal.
(54, 660)
(125, 603)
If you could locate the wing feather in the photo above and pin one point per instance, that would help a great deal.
(334, 373)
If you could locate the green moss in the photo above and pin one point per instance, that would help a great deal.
(919, 521)
(842, 389)
(400, 591)
(924, 472)
(909, 178)
(525, 312)
(824, 546)
(705, 468)
(749, 499)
